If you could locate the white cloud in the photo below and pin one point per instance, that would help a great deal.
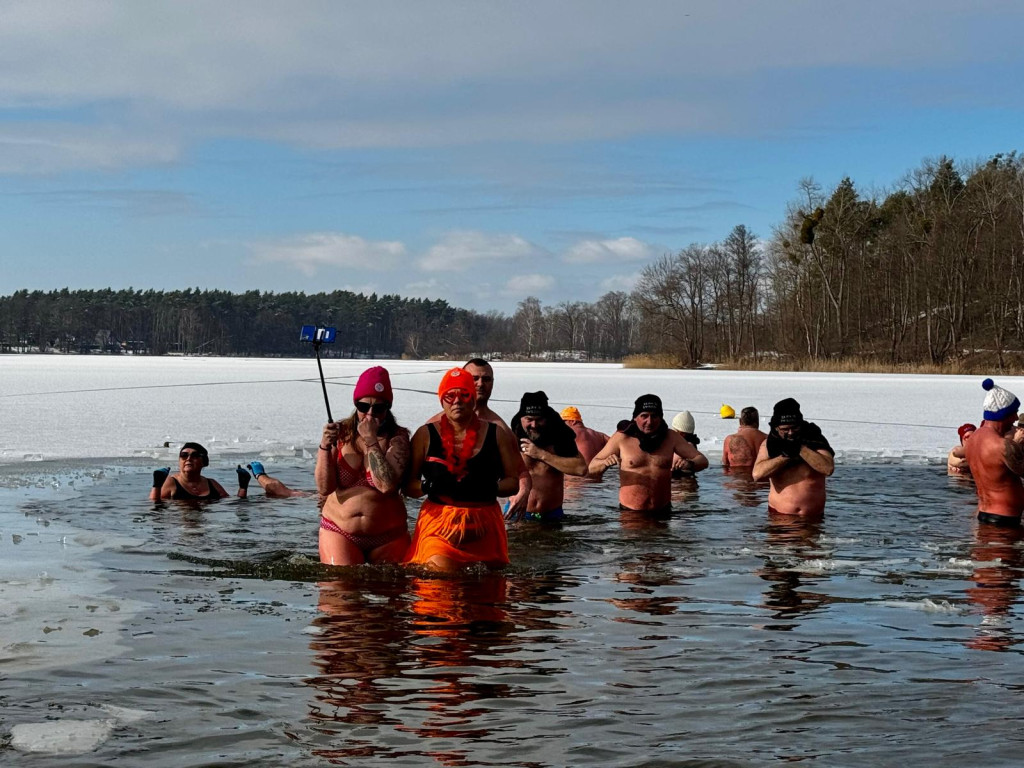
(389, 73)
(524, 285)
(603, 251)
(459, 251)
(620, 282)
(311, 251)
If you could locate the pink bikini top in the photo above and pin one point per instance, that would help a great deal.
(352, 478)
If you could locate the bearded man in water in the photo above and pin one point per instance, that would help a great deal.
(995, 454)
(548, 447)
(643, 452)
(797, 459)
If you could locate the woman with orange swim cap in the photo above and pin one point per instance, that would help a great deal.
(462, 464)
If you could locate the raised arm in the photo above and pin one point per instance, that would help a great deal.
(326, 472)
(818, 460)
(606, 457)
(764, 465)
(567, 465)
(387, 469)
(689, 458)
(1013, 455)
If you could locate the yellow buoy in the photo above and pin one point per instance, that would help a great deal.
(727, 412)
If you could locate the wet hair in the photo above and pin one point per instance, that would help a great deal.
(749, 417)
(477, 361)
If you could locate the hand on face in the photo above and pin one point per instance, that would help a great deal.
(367, 427)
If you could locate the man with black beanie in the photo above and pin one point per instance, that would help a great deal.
(548, 446)
(643, 452)
(796, 458)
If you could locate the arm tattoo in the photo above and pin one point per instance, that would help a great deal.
(379, 467)
(398, 453)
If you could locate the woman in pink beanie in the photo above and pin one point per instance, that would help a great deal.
(360, 468)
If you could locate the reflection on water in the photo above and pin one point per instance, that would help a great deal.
(789, 542)
(619, 639)
(997, 557)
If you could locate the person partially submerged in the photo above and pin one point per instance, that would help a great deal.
(740, 448)
(644, 451)
(462, 464)
(956, 461)
(188, 483)
(360, 469)
(684, 424)
(796, 458)
(589, 441)
(548, 446)
(995, 454)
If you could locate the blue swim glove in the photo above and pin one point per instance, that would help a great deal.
(243, 477)
(257, 468)
(160, 476)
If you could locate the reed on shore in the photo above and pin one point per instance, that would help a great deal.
(978, 363)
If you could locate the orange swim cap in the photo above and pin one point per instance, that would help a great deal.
(456, 378)
(571, 414)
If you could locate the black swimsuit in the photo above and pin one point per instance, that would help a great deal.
(182, 494)
(483, 471)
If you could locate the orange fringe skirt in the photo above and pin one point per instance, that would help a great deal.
(466, 534)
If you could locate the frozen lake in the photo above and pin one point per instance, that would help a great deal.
(87, 407)
(183, 636)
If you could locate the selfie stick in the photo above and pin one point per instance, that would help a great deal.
(317, 336)
(323, 384)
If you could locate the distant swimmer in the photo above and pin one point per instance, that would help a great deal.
(956, 461)
(683, 423)
(188, 483)
(995, 454)
(796, 458)
(740, 448)
(360, 468)
(643, 451)
(462, 463)
(548, 446)
(588, 440)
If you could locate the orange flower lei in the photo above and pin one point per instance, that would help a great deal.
(456, 459)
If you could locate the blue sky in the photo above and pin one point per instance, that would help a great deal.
(476, 152)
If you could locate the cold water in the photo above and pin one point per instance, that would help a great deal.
(169, 635)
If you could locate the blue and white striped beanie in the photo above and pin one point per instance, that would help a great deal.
(999, 403)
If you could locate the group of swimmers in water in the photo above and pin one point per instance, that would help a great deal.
(466, 457)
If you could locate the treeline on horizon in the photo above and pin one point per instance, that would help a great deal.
(923, 274)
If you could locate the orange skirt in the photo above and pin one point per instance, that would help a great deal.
(464, 534)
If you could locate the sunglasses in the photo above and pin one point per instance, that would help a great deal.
(375, 409)
(190, 455)
(456, 396)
